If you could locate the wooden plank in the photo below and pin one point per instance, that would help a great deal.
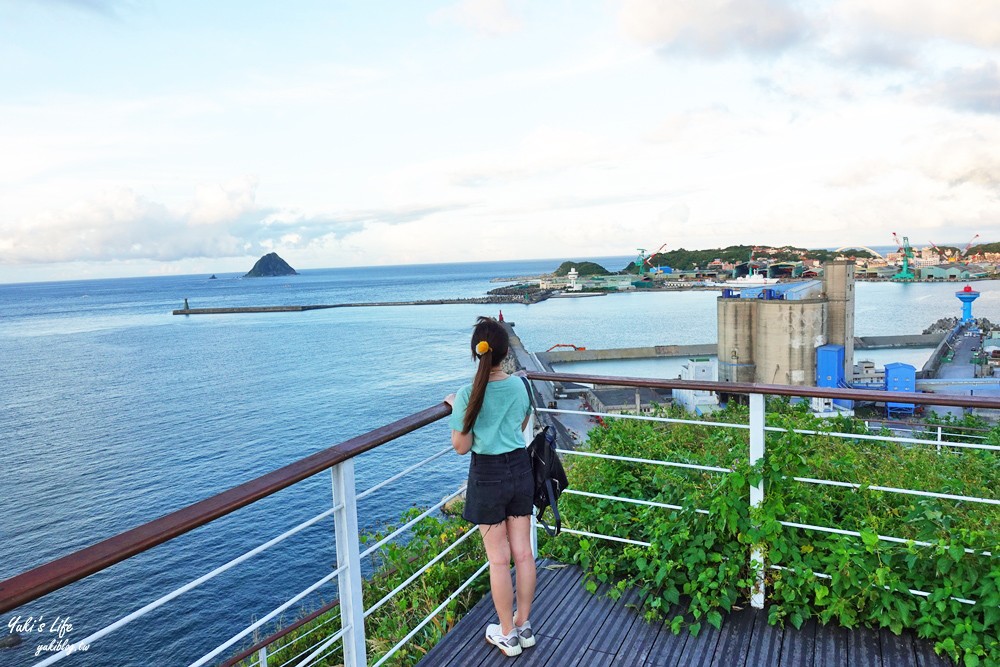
(561, 618)
(638, 643)
(831, 646)
(587, 625)
(669, 649)
(863, 647)
(576, 636)
(701, 649)
(547, 601)
(455, 647)
(897, 650)
(575, 628)
(466, 638)
(798, 647)
(734, 639)
(546, 606)
(765, 642)
(543, 653)
(624, 613)
(592, 658)
(926, 657)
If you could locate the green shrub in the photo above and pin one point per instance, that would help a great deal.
(697, 567)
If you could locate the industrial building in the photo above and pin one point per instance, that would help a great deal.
(953, 272)
(770, 334)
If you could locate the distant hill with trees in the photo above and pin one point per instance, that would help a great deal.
(683, 259)
(984, 247)
(582, 268)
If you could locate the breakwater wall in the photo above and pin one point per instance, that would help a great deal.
(882, 342)
(933, 365)
(497, 299)
(710, 349)
(611, 354)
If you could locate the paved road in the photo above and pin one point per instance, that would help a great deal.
(960, 367)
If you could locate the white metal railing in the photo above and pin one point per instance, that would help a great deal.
(755, 498)
(349, 637)
(139, 613)
(350, 604)
(326, 645)
(347, 574)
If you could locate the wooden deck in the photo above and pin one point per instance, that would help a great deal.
(574, 627)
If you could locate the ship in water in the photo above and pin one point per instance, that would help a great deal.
(753, 280)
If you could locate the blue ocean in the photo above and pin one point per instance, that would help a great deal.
(114, 412)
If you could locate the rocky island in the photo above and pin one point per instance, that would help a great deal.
(271, 265)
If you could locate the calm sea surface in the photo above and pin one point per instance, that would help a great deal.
(113, 412)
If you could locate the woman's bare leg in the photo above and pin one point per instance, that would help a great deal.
(498, 553)
(519, 539)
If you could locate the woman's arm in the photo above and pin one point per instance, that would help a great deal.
(462, 442)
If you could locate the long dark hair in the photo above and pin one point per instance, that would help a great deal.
(492, 333)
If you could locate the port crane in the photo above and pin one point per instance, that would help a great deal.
(905, 273)
(649, 260)
(969, 245)
(942, 255)
(640, 261)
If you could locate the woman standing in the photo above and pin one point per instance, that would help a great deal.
(488, 417)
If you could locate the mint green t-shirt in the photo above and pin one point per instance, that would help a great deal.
(498, 426)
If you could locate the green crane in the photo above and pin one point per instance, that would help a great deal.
(905, 274)
(640, 261)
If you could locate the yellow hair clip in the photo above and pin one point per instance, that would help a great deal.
(482, 347)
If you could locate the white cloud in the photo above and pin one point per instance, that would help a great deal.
(972, 22)
(222, 203)
(975, 88)
(404, 143)
(222, 220)
(494, 18)
(715, 27)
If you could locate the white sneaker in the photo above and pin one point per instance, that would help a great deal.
(509, 644)
(525, 637)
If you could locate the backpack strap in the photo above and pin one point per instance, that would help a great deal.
(555, 510)
(531, 394)
(548, 482)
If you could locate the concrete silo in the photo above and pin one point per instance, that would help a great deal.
(769, 335)
(737, 326)
(838, 284)
(787, 335)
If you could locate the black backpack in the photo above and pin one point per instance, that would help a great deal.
(547, 469)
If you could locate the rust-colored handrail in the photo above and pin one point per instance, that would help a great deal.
(288, 629)
(51, 576)
(878, 396)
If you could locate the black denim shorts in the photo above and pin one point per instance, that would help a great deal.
(500, 486)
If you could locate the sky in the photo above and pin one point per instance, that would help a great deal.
(155, 137)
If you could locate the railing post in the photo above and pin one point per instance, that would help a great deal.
(939, 440)
(262, 657)
(757, 494)
(349, 557)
